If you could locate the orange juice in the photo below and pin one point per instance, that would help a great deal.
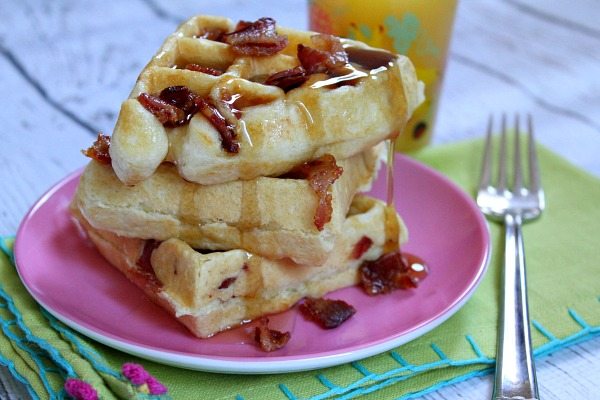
(419, 29)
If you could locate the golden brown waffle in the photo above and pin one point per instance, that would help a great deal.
(213, 292)
(276, 130)
(271, 217)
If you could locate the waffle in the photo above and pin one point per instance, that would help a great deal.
(213, 292)
(271, 217)
(276, 130)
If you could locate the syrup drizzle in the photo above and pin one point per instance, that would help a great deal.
(415, 269)
(392, 227)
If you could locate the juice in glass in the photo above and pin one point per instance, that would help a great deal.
(419, 29)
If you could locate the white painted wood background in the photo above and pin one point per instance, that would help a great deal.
(65, 67)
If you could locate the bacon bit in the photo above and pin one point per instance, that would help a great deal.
(320, 173)
(226, 130)
(215, 34)
(203, 69)
(328, 56)
(167, 114)
(227, 282)
(174, 106)
(269, 339)
(327, 313)
(383, 275)
(313, 60)
(257, 38)
(361, 247)
(182, 98)
(99, 149)
(242, 25)
(288, 79)
(391, 271)
(332, 45)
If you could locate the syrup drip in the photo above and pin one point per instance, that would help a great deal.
(390, 172)
(392, 227)
(187, 205)
(413, 267)
(250, 212)
(351, 75)
(250, 215)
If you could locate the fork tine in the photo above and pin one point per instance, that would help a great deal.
(518, 175)
(502, 156)
(534, 172)
(486, 163)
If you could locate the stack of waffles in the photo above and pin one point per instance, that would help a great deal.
(230, 187)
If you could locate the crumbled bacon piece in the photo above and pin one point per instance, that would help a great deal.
(361, 247)
(174, 106)
(99, 149)
(167, 114)
(391, 271)
(215, 34)
(182, 98)
(320, 173)
(269, 339)
(242, 25)
(327, 56)
(327, 313)
(203, 69)
(288, 79)
(227, 282)
(226, 129)
(257, 38)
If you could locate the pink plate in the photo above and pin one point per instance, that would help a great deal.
(66, 275)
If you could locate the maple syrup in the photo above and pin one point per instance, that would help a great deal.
(413, 268)
(370, 59)
(392, 227)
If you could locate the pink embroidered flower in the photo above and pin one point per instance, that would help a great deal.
(142, 379)
(135, 373)
(155, 387)
(80, 390)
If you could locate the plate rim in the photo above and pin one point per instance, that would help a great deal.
(276, 364)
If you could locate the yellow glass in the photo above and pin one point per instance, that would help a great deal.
(419, 29)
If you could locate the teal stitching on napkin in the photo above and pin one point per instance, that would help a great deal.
(38, 349)
(11, 368)
(384, 380)
(390, 377)
(46, 357)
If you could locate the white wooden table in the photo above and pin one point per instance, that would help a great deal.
(66, 65)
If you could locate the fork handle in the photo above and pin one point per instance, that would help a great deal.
(515, 373)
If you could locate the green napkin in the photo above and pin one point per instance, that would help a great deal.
(564, 306)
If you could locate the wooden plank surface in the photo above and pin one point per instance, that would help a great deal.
(65, 67)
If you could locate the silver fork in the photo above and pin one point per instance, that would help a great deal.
(514, 205)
